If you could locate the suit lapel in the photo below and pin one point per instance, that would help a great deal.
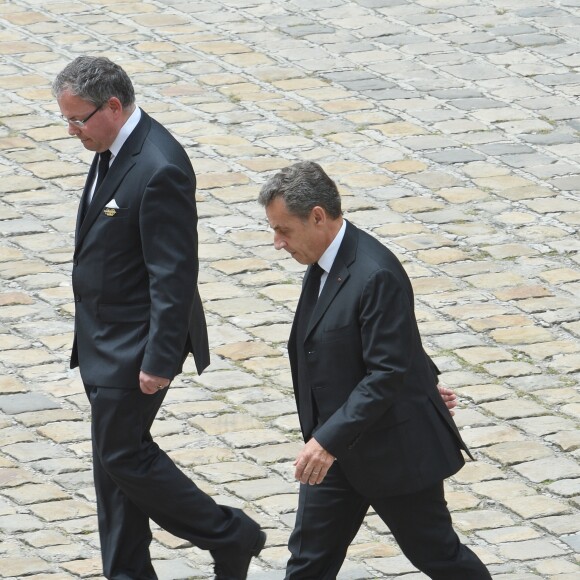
(85, 196)
(122, 163)
(336, 278)
(105, 193)
(338, 275)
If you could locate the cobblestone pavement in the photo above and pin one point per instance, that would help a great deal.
(451, 127)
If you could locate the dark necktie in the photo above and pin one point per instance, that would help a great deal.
(102, 168)
(306, 404)
(104, 159)
(308, 301)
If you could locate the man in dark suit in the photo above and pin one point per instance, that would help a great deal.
(377, 431)
(138, 315)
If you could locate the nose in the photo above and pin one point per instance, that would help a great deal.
(73, 130)
(279, 242)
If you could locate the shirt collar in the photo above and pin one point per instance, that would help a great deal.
(125, 131)
(327, 259)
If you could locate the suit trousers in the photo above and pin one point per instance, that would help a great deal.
(331, 513)
(136, 481)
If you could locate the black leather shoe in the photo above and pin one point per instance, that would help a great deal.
(233, 565)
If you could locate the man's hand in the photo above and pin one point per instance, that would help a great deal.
(312, 463)
(150, 384)
(449, 398)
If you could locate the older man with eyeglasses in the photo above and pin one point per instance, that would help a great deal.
(138, 315)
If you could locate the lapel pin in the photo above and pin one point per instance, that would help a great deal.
(110, 211)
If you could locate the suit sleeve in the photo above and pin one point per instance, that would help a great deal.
(168, 225)
(388, 332)
(434, 369)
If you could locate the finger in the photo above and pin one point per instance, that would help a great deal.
(299, 471)
(316, 474)
(321, 476)
(150, 388)
(306, 475)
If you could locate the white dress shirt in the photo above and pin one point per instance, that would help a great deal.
(327, 259)
(119, 141)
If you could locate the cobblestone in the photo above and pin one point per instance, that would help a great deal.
(451, 129)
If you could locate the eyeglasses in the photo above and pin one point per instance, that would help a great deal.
(80, 123)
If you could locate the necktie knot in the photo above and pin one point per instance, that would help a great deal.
(316, 274)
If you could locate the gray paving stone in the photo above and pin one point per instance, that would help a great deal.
(545, 425)
(514, 576)
(548, 469)
(513, 534)
(260, 489)
(560, 525)
(565, 487)
(17, 523)
(532, 506)
(509, 453)
(455, 155)
(176, 569)
(26, 402)
(273, 454)
(573, 541)
(60, 465)
(557, 566)
(507, 409)
(230, 471)
(530, 549)
(15, 567)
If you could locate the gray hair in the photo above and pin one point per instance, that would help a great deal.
(303, 186)
(95, 79)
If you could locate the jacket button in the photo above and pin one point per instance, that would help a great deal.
(77, 298)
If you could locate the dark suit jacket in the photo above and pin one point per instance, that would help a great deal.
(379, 411)
(135, 268)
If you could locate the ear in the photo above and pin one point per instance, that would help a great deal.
(115, 105)
(318, 215)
